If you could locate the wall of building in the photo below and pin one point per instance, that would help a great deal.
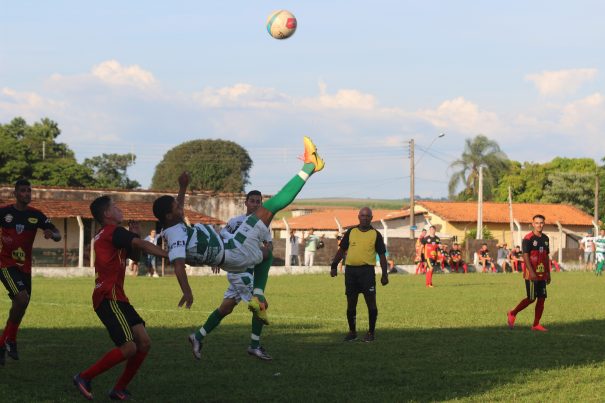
(219, 205)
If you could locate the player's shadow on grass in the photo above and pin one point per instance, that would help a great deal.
(310, 365)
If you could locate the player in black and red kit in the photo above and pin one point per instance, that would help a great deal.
(430, 245)
(18, 226)
(536, 254)
(113, 244)
(456, 259)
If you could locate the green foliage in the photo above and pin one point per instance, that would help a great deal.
(562, 180)
(110, 170)
(459, 340)
(31, 151)
(472, 234)
(217, 165)
(478, 151)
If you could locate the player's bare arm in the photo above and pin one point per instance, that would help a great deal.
(148, 247)
(181, 276)
(183, 180)
(384, 279)
(53, 234)
(530, 268)
(335, 261)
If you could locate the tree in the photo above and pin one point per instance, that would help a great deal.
(217, 165)
(562, 180)
(31, 151)
(479, 151)
(109, 170)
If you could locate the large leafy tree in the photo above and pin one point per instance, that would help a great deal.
(478, 151)
(562, 180)
(217, 165)
(33, 152)
(110, 170)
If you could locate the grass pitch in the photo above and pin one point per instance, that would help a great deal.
(449, 343)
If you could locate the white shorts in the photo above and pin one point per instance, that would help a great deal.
(243, 250)
(240, 286)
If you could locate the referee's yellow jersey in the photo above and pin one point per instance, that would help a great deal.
(362, 246)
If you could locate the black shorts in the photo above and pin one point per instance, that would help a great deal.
(535, 289)
(15, 281)
(360, 279)
(119, 317)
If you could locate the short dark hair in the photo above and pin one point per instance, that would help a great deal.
(484, 244)
(538, 216)
(253, 193)
(22, 182)
(161, 207)
(432, 227)
(98, 208)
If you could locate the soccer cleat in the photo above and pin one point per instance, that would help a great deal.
(311, 156)
(369, 337)
(510, 319)
(351, 336)
(258, 309)
(196, 346)
(2, 355)
(117, 394)
(260, 353)
(11, 349)
(83, 386)
(539, 328)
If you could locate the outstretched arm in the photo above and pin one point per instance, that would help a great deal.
(149, 247)
(184, 179)
(181, 276)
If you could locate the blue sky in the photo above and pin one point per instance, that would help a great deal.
(361, 78)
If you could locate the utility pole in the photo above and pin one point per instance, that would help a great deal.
(510, 213)
(596, 198)
(480, 205)
(43, 150)
(412, 214)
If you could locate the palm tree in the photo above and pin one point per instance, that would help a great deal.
(479, 151)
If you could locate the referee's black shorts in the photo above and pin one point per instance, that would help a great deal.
(15, 281)
(119, 317)
(360, 279)
(535, 289)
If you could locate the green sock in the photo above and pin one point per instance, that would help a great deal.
(261, 275)
(213, 321)
(288, 193)
(257, 328)
(600, 267)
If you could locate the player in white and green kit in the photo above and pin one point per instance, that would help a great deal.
(600, 252)
(201, 245)
(240, 289)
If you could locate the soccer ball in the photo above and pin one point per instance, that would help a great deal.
(281, 24)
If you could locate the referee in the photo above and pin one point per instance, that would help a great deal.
(360, 245)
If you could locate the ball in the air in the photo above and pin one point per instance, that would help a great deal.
(281, 24)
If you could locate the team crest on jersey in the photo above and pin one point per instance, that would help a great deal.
(8, 218)
(535, 243)
(19, 228)
(32, 220)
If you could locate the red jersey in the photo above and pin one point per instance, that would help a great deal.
(17, 233)
(456, 255)
(431, 244)
(537, 247)
(112, 246)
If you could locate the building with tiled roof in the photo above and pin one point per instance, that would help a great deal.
(328, 222)
(74, 220)
(564, 223)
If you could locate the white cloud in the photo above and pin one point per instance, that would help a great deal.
(112, 72)
(241, 95)
(585, 114)
(342, 99)
(561, 82)
(29, 105)
(461, 115)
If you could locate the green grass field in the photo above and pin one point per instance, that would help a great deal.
(449, 343)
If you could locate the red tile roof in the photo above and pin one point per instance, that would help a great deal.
(499, 212)
(138, 211)
(324, 219)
